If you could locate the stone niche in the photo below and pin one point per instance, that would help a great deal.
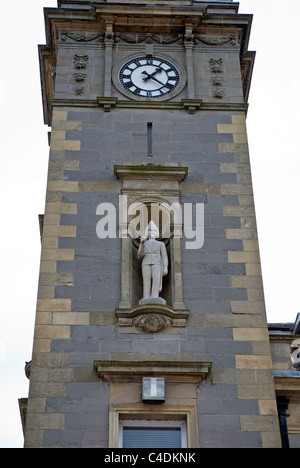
(155, 188)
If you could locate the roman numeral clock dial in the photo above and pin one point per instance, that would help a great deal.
(149, 77)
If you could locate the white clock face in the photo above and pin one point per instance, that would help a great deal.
(149, 77)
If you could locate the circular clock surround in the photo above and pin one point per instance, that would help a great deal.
(149, 77)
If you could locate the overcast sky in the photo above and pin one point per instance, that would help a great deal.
(273, 130)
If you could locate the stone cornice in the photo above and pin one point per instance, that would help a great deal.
(187, 371)
(287, 383)
(184, 104)
(283, 337)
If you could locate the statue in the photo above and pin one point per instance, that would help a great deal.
(154, 265)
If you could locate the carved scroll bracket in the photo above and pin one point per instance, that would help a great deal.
(152, 323)
(152, 318)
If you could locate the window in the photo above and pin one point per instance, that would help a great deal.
(152, 434)
(140, 415)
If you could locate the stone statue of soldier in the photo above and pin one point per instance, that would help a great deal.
(154, 264)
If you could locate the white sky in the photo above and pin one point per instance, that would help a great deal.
(273, 122)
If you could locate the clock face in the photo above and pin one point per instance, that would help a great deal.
(149, 77)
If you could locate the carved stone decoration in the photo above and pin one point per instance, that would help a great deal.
(149, 38)
(217, 80)
(152, 323)
(81, 37)
(79, 90)
(218, 93)
(131, 38)
(80, 62)
(216, 65)
(216, 68)
(27, 369)
(79, 77)
(216, 41)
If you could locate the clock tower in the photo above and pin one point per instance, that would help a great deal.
(150, 325)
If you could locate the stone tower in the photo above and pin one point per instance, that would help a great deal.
(147, 103)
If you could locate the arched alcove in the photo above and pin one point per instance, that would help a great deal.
(150, 192)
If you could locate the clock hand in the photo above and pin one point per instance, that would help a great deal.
(160, 82)
(146, 77)
(157, 70)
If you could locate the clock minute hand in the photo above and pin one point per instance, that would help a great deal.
(155, 79)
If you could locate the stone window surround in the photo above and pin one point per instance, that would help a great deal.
(185, 413)
(131, 372)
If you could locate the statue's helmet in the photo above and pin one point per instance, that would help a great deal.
(152, 229)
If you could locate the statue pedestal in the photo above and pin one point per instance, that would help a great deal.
(152, 315)
(152, 300)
